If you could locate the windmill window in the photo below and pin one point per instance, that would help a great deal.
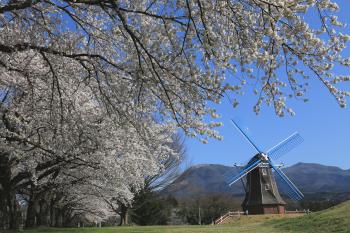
(267, 187)
(264, 172)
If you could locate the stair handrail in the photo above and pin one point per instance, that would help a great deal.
(227, 215)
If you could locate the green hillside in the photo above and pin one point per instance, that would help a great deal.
(335, 219)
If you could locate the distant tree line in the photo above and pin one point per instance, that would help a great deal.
(206, 209)
(153, 208)
(318, 201)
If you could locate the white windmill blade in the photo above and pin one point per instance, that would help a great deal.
(293, 191)
(245, 135)
(285, 146)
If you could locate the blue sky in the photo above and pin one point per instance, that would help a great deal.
(324, 126)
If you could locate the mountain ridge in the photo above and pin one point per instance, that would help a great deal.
(203, 179)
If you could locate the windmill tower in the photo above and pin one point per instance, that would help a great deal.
(262, 195)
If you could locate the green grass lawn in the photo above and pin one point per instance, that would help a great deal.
(253, 227)
(335, 219)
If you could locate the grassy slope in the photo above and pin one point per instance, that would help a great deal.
(336, 219)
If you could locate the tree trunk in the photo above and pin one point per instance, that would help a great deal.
(5, 190)
(59, 218)
(3, 211)
(31, 212)
(123, 215)
(52, 214)
(9, 209)
(13, 211)
(44, 216)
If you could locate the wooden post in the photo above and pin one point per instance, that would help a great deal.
(199, 216)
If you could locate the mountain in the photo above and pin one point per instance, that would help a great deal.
(310, 178)
(203, 179)
(316, 178)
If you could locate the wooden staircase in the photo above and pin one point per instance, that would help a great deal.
(230, 214)
(226, 216)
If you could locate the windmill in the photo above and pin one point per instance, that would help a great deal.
(262, 196)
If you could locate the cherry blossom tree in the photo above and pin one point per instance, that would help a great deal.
(177, 52)
(78, 147)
